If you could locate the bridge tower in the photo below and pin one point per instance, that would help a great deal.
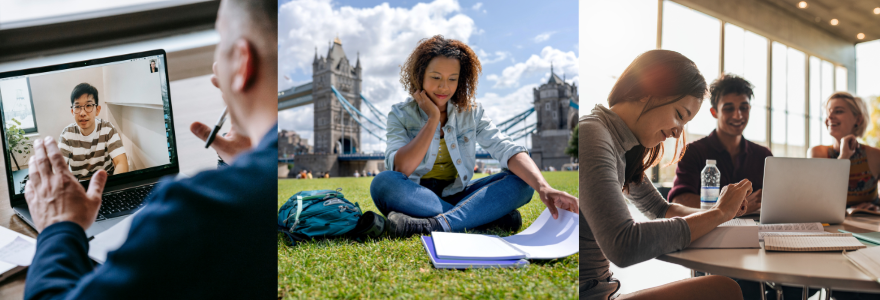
(556, 119)
(335, 131)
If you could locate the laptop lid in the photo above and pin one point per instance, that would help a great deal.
(800, 190)
(122, 110)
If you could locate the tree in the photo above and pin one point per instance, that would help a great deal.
(572, 149)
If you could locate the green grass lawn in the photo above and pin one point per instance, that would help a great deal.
(400, 268)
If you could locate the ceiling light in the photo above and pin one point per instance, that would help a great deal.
(860, 36)
(877, 10)
(802, 4)
(834, 22)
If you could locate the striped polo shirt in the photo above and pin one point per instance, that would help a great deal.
(87, 154)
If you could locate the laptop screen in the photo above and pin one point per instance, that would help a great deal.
(110, 114)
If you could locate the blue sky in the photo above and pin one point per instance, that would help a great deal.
(515, 40)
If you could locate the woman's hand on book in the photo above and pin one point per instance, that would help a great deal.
(732, 201)
(554, 198)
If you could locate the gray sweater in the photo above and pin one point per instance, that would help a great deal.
(607, 229)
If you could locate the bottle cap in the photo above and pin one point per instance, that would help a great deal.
(710, 162)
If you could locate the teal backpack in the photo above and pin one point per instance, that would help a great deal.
(325, 214)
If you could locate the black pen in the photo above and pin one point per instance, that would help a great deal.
(216, 128)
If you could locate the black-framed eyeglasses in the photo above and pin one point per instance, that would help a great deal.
(88, 107)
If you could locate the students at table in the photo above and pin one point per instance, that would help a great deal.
(847, 119)
(651, 101)
(735, 157)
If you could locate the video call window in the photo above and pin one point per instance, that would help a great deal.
(111, 116)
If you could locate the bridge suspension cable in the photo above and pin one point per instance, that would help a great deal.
(375, 110)
(348, 108)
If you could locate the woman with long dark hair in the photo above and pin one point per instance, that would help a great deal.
(652, 100)
(431, 153)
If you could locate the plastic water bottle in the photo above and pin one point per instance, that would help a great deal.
(710, 182)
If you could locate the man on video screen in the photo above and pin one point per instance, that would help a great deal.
(91, 144)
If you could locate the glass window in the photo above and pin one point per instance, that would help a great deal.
(840, 80)
(30, 10)
(681, 27)
(778, 96)
(796, 101)
(826, 91)
(815, 108)
(17, 103)
(628, 40)
(745, 54)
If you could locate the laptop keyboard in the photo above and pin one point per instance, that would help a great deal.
(124, 202)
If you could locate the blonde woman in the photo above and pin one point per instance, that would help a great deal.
(847, 120)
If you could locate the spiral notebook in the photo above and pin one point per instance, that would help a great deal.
(802, 243)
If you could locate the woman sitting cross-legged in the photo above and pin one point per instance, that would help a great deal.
(431, 152)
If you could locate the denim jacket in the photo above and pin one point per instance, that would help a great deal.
(463, 131)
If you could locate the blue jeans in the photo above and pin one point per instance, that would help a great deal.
(482, 201)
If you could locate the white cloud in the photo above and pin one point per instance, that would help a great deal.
(383, 35)
(563, 63)
(490, 58)
(544, 36)
(502, 107)
(477, 6)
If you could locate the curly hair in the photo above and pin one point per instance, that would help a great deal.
(412, 73)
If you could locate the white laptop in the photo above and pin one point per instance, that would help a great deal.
(800, 190)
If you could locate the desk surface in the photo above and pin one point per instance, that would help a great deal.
(816, 269)
(192, 99)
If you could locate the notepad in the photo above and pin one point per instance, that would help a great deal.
(866, 260)
(440, 263)
(546, 238)
(829, 242)
(735, 233)
(16, 252)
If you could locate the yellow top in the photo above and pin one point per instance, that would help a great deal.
(443, 168)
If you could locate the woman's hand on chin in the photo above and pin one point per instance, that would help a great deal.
(848, 146)
(426, 104)
(554, 198)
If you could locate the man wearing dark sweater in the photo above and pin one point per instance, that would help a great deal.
(208, 236)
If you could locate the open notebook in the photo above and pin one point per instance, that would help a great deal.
(546, 238)
(16, 252)
(807, 243)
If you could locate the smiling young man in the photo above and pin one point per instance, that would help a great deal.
(735, 157)
(90, 144)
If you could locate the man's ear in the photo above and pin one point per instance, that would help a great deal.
(97, 110)
(714, 112)
(244, 65)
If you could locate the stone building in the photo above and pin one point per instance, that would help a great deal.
(290, 144)
(556, 118)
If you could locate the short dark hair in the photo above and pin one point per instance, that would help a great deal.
(83, 89)
(729, 84)
(263, 13)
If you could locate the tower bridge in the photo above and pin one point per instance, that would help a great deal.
(335, 92)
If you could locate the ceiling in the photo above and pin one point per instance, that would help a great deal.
(854, 16)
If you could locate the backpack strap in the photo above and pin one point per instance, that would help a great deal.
(299, 209)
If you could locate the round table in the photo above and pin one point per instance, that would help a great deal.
(827, 270)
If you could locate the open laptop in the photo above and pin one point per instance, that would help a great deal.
(133, 98)
(801, 190)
